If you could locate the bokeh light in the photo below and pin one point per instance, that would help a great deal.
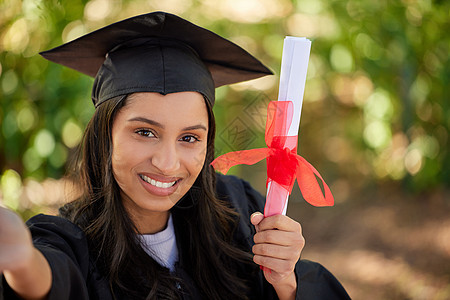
(32, 160)
(377, 134)
(10, 82)
(16, 37)
(44, 143)
(71, 133)
(73, 30)
(26, 119)
(11, 186)
(9, 126)
(341, 59)
(97, 10)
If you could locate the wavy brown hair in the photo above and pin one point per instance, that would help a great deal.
(114, 244)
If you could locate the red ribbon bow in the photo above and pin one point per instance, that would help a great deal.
(284, 165)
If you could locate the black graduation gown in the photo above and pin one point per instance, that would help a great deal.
(76, 277)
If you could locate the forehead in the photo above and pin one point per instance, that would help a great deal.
(182, 107)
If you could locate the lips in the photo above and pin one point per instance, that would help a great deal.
(159, 184)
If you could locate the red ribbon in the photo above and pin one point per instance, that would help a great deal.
(284, 165)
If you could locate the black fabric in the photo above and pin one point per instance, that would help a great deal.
(226, 62)
(75, 276)
(152, 65)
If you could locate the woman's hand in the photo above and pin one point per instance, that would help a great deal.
(25, 268)
(16, 247)
(278, 245)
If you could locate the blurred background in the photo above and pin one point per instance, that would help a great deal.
(375, 121)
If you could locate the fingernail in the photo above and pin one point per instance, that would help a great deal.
(255, 214)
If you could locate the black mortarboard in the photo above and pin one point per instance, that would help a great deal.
(156, 52)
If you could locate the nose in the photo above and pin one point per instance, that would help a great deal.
(166, 158)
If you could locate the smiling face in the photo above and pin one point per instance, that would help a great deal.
(159, 147)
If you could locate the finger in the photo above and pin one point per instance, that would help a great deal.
(280, 222)
(277, 237)
(277, 251)
(281, 266)
(256, 218)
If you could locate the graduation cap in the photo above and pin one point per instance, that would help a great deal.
(156, 52)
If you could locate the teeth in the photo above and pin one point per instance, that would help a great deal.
(159, 184)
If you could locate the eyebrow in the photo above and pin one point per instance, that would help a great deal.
(154, 123)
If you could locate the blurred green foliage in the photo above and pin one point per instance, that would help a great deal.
(376, 102)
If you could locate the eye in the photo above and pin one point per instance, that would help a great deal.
(189, 139)
(145, 132)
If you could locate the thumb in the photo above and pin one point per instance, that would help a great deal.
(256, 218)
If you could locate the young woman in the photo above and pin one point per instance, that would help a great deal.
(154, 221)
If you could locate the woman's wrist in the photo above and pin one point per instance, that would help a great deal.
(33, 278)
(287, 289)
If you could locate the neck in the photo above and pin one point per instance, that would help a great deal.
(150, 223)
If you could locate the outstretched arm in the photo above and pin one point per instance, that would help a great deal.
(278, 244)
(25, 268)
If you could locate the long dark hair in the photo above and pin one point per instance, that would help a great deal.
(114, 244)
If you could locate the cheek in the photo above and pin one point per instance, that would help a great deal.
(124, 157)
(197, 160)
(118, 166)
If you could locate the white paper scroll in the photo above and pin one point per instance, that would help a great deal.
(294, 65)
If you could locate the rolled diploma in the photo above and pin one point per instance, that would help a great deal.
(294, 64)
